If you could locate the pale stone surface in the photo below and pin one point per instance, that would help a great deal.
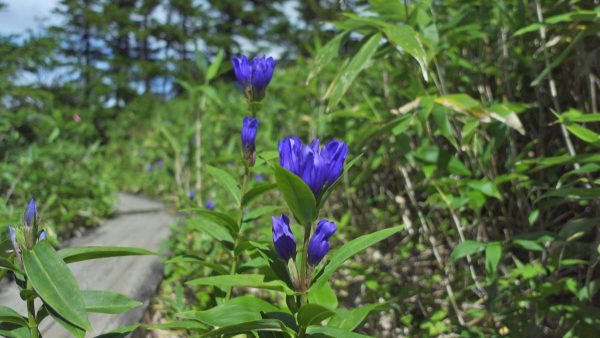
(140, 223)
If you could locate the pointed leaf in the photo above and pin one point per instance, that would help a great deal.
(350, 249)
(227, 181)
(297, 195)
(55, 284)
(107, 302)
(83, 253)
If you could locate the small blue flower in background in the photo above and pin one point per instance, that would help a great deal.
(210, 205)
(259, 178)
(159, 164)
(317, 167)
(31, 214)
(249, 130)
(42, 236)
(283, 238)
(319, 243)
(254, 75)
(149, 168)
(191, 195)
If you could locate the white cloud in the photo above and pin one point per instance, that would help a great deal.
(21, 15)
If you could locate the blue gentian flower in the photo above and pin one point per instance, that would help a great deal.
(149, 168)
(210, 205)
(319, 243)
(259, 178)
(42, 236)
(191, 195)
(254, 75)
(283, 238)
(249, 130)
(31, 214)
(317, 166)
(159, 164)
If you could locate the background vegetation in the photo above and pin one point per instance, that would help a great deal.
(477, 122)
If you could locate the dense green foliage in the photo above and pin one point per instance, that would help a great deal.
(476, 122)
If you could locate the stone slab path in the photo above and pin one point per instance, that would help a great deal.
(138, 222)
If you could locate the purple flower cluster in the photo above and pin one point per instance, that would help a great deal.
(317, 166)
(285, 242)
(254, 75)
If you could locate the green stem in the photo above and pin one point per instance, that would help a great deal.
(33, 325)
(234, 266)
(304, 267)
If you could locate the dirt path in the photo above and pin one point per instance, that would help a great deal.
(139, 222)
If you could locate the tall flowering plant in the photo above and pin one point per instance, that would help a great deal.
(46, 283)
(294, 266)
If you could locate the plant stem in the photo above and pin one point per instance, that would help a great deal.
(33, 325)
(304, 268)
(240, 221)
(198, 146)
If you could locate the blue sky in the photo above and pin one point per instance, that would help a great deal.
(21, 15)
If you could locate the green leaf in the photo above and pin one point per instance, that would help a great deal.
(466, 248)
(219, 218)
(54, 283)
(574, 193)
(19, 332)
(528, 244)
(226, 181)
(443, 125)
(493, 254)
(8, 315)
(107, 302)
(256, 191)
(323, 295)
(261, 211)
(75, 330)
(333, 332)
(83, 253)
(242, 280)
(297, 195)
(584, 133)
(235, 311)
(272, 325)
(578, 227)
(409, 41)
(213, 70)
(486, 187)
(213, 229)
(346, 76)
(350, 249)
(121, 332)
(313, 314)
(325, 55)
(350, 319)
(178, 325)
(196, 260)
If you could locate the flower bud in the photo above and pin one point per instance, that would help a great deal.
(15, 244)
(283, 238)
(42, 236)
(249, 130)
(31, 215)
(191, 195)
(319, 243)
(13, 238)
